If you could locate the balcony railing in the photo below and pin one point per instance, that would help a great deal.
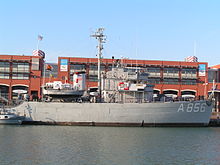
(171, 75)
(152, 74)
(189, 76)
(4, 70)
(77, 70)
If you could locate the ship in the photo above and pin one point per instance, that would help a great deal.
(123, 98)
(9, 116)
(126, 101)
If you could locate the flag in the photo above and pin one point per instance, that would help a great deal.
(191, 59)
(38, 53)
(40, 37)
(49, 67)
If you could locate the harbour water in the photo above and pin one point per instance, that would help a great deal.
(53, 145)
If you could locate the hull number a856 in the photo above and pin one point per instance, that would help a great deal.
(196, 107)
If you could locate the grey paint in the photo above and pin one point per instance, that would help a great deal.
(117, 113)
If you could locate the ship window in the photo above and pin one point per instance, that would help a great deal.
(6, 117)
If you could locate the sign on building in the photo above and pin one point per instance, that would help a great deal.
(202, 69)
(64, 65)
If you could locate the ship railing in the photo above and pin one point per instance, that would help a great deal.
(134, 100)
(176, 99)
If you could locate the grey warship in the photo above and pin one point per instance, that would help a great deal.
(123, 99)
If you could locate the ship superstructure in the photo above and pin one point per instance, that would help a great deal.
(121, 85)
(65, 92)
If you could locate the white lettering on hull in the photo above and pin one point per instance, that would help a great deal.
(197, 107)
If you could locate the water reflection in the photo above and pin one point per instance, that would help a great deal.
(108, 145)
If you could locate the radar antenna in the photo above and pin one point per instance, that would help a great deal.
(101, 39)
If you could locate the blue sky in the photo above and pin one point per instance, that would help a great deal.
(138, 29)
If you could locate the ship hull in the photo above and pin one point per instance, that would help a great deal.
(196, 113)
(14, 121)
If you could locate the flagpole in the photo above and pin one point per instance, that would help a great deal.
(39, 38)
(44, 61)
(44, 73)
(38, 42)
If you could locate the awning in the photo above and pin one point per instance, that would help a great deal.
(19, 91)
(215, 91)
(189, 96)
(171, 95)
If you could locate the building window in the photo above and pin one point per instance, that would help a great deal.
(4, 91)
(188, 82)
(20, 67)
(20, 76)
(153, 81)
(213, 75)
(53, 72)
(93, 69)
(135, 69)
(35, 64)
(153, 71)
(109, 68)
(4, 67)
(189, 73)
(93, 78)
(77, 68)
(170, 81)
(171, 72)
(4, 76)
(15, 95)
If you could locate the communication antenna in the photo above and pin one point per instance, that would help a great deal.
(101, 39)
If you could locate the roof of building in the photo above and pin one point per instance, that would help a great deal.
(215, 66)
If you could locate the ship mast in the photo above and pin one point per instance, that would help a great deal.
(101, 39)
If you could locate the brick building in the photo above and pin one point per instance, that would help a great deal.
(20, 74)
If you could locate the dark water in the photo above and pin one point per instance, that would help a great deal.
(108, 145)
